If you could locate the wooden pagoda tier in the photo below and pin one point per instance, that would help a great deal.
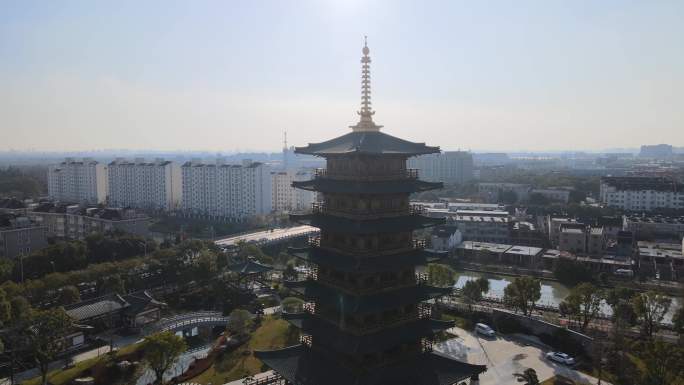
(366, 320)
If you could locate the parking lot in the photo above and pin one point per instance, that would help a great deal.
(506, 356)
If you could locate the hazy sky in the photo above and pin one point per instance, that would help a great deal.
(233, 75)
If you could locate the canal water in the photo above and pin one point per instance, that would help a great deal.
(552, 292)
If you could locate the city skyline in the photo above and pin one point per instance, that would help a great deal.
(495, 77)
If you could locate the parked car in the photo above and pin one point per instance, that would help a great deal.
(561, 358)
(485, 330)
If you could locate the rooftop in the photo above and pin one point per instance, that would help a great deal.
(484, 246)
(643, 183)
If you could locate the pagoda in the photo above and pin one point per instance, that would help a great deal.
(367, 320)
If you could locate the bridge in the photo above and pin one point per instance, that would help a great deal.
(187, 321)
(268, 237)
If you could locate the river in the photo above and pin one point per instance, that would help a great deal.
(552, 292)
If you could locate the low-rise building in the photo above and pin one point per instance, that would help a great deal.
(481, 252)
(75, 222)
(607, 264)
(654, 227)
(522, 255)
(20, 236)
(481, 226)
(596, 245)
(445, 238)
(642, 193)
(661, 260)
(573, 238)
(555, 195)
(131, 311)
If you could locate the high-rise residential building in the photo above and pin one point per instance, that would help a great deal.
(368, 317)
(225, 191)
(288, 198)
(448, 166)
(78, 181)
(642, 193)
(145, 185)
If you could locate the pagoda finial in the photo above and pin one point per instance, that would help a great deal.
(366, 113)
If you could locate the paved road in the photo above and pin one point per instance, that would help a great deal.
(505, 356)
(268, 235)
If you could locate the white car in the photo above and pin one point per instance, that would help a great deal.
(485, 330)
(561, 358)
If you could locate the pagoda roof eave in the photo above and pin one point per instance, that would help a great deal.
(348, 263)
(300, 365)
(367, 143)
(328, 185)
(349, 303)
(368, 226)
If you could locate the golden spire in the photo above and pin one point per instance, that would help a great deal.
(366, 113)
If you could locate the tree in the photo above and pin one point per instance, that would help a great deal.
(292, 305)
(44, 337)
(572, 273)
(472, 291)
(522, 293)
(5, 309)
(68, 295)
(662, 363)
(650, 308)
(507, 197)
(529, 377)
(238, 321)
(161, 351)
(21, 309)
(440, 275)
(289, 273)
(206, 265)
(583, 303)
(678, 320)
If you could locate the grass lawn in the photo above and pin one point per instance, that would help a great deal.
(272, 334)
(63, 377)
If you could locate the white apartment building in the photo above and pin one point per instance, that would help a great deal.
(78, 181)
(288, 198)
(226, 192)
(144, 185)
(641, 193)
(447, 166)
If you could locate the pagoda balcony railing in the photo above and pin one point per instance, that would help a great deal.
(273, 379)
(368, 213)
(358, 288)
(415, 244)
(426, 345)
(306, 340)
(358, 329)
(409, 173)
